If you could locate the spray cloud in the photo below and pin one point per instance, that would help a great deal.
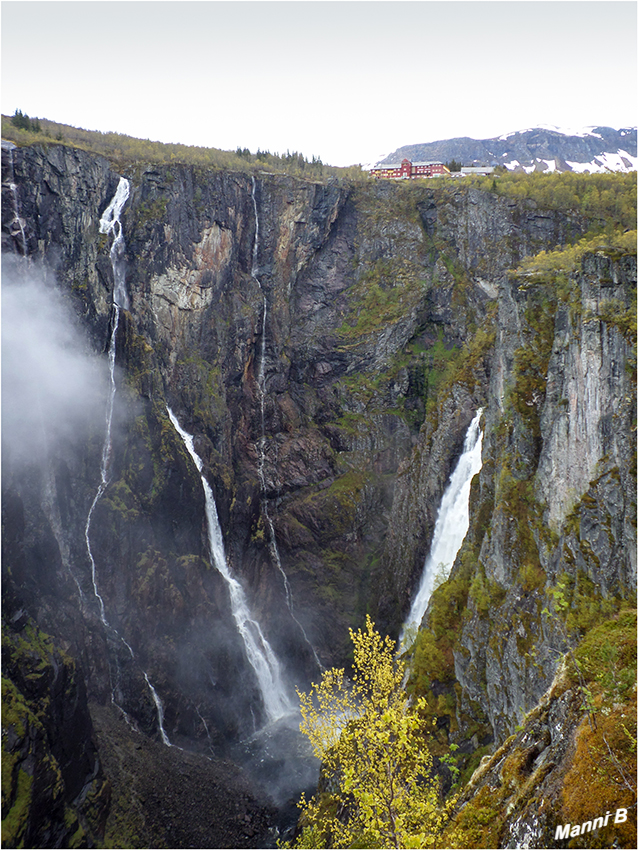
(53, 386)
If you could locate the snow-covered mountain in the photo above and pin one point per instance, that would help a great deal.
(544, 148)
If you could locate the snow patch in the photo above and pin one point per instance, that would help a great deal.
(581, 132)
(369, 165)
(620, 161)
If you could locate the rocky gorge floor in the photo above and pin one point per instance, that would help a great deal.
(166, 797)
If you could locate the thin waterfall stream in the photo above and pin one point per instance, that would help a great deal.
(277, 755)
(262, 659)
(261, 386)
(110, 224)
(17, 224)
(451, 526)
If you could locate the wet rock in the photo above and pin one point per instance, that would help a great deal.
(56, 791)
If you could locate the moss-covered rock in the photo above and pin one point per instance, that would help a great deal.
(54, 792)
(572, 759)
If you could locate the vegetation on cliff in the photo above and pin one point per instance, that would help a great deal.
(473, 599)
(554, 266)
(547, 286)
(379, 788)
(123, 150)
(543, 779)
(53, 789)
(603, 198)
(393, 312)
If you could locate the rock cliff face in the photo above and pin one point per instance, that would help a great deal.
(327, 345)
(566, 771)
(558, 484)
(54, 791)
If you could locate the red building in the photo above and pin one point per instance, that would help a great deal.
(409, 170)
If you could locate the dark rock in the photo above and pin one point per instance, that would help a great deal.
(327, 438)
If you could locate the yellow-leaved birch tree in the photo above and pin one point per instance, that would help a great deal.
(379, 787)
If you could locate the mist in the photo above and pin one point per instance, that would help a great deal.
(53, 385)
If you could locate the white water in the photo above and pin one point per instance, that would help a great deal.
(259, 652)
(17, 222)
(160, 711)
(261, 386)
(256, 241)
(451, 526)
(106, 458)
(110, 224)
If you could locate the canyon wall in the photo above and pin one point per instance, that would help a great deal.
(327, 344)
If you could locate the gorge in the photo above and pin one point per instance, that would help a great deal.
(285, 372)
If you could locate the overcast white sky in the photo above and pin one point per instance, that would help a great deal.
(347, 81)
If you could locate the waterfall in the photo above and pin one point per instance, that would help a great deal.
(160, 711)
(259, 652)
(253, 270)
(17, 223)
(105, 462)
(274, 550)
(451, 526)
(261, 386)
(110, 224)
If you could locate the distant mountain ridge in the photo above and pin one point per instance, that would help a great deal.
(538, 149)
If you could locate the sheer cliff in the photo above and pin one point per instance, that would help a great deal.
(327, 344)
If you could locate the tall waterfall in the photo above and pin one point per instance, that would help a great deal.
(17, 223)
(261, 386)
(451, 526)
(110, 224)
(259, 652)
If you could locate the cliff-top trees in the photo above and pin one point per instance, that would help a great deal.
(23, 122)
(377, 769)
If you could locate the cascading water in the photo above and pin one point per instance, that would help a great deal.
(259, 652)
(451, 526)
(261, 385)
(159, 707)
(17, 223)
(110, 224)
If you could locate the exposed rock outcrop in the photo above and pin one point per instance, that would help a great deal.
(55, 793)
(559, 486)
(566, 775)
(328, 345)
